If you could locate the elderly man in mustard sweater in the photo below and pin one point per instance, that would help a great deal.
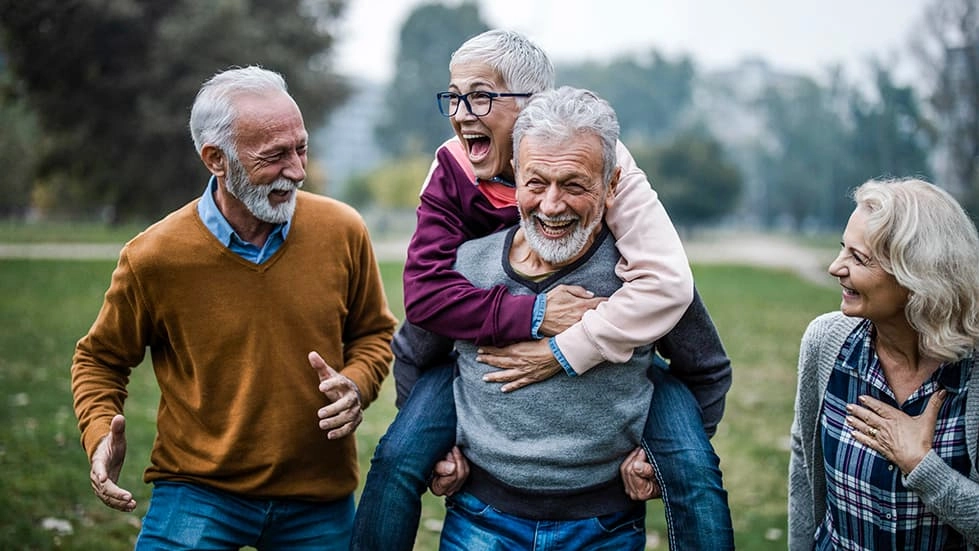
(266, 321)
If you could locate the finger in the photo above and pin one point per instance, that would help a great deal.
(445, 467)
(117, 427)
(518, 384)
(345, 403)
(577, 291)
(337, 386)
(505, 376)
(860, 426)
(114, 496)
(319, 365)
(346, 429)
(338, 413)
(862, 413)
(934, 406)
(875, 406)
(462, 466)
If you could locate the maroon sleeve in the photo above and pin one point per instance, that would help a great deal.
(441, 300)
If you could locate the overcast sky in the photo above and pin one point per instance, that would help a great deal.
(796, 35)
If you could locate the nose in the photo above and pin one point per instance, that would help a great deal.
(552, 201)
(837, 266)
(295, 168)
(464, 112)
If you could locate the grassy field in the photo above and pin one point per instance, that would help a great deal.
(44, 492)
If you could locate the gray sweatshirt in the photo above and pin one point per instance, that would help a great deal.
(561, 438)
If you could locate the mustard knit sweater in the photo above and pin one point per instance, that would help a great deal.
(229, 342)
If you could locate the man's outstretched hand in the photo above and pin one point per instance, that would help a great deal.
(107, 464)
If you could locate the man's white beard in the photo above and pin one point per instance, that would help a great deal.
(256, 197)
(558, 251)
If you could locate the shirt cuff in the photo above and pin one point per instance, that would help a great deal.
(560, 358)
(537, 319)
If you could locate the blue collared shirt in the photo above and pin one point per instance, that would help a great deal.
(867, 504)
(208, 210)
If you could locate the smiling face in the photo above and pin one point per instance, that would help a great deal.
(868, 291)
(271, 165)
(487, 139)
(561, 196)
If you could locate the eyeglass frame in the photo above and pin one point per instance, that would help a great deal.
(469, 107)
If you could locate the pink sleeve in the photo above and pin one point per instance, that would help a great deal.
(658, 283)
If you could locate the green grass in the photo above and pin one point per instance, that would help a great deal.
(48, 305)
(13, 231)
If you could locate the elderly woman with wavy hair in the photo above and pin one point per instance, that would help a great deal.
(887, 408)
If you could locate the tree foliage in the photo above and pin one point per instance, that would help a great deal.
(112, 82)
(947, 48)
(19, 142)
(890, 135)
(695, 181)
(411, 123)
(648, 95)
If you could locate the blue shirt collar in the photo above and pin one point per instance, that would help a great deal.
(218, 225)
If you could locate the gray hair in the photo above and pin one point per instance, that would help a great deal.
(213, 116)
(923, 237)
(523, 65)
(560, 115)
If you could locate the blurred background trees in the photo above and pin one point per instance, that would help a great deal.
(94, 99)
(110, 85)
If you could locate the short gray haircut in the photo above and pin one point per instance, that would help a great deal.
(523, 65)
(213, 116)
(559, 115)
(923, 237)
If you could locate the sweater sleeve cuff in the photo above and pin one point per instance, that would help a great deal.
(537, 319)
(552, 342)
(579, 351)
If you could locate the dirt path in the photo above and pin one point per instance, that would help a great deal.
(750, 249)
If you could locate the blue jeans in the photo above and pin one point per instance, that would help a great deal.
(424, 430)
(188, 516)
(471, 525)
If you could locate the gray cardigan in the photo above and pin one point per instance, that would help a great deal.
(952, 497)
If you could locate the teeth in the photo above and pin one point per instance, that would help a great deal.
(473, 136)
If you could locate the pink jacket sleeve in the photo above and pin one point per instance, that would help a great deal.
(657, 281)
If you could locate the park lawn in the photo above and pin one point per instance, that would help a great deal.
(48, 305)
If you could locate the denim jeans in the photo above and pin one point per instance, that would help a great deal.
(424, 430)
(471, 525)
(188, 516)
(687, 468)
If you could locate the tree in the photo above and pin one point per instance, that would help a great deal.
(948, 50)
(18, 147)
(112, 84)
(649, 95)
(804, 168)
(411, 123)
(890, 135)
(693, 178)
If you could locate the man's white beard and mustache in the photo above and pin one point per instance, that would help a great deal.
(256, 197)
(563, 250)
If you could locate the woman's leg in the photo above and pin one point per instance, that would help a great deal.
(687, 469)
(420, 435)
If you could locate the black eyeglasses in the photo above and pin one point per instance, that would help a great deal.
(478, 102)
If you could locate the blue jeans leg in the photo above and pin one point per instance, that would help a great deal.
(185, 516)
(472, 525)
(423, 431)
(688, 469)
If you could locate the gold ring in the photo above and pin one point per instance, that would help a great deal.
(873, 432)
